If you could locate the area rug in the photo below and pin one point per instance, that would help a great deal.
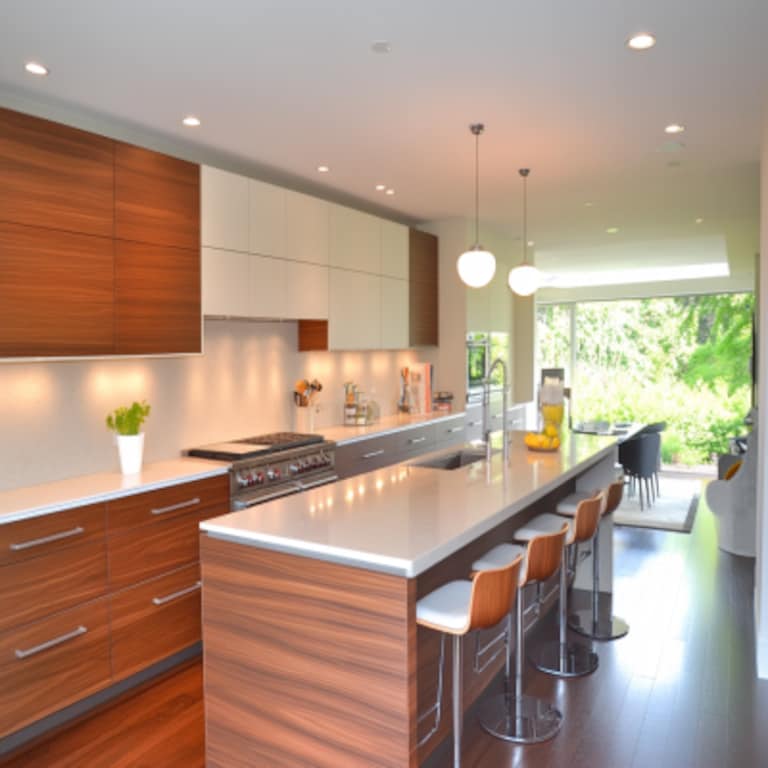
(673, 510)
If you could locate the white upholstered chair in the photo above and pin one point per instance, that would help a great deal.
(734, 504)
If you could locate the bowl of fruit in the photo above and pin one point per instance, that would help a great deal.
(548, 440)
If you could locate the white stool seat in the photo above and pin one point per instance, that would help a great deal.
(498, 557)
(567, 506)
(447, 608)
(546, 523)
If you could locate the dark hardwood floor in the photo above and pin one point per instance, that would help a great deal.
(678, 692)
(160, 727)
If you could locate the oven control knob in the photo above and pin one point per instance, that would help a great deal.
(258, 478)
(277, 474)
(270, 474)
(294, 469)
(242, 480)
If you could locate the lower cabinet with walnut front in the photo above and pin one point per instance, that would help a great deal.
(93, 595)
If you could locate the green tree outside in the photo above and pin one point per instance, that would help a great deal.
(683, 360)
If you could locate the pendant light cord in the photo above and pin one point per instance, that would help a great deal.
(525, 219)
(477, 189)
(524, 173)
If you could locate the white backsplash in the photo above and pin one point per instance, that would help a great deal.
(52, 414)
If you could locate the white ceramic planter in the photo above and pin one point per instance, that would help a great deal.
(131, 450)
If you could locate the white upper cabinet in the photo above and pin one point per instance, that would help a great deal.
(226, 290)
(355, 240)
(269, 287)
(394, 249)
(267, 219)
(354, 310)
(224, 209)
(306, 228)
(394, 313)
(307, 291)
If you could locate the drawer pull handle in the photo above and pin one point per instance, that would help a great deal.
(47, 539)
(455, 429)
(474, 423)
(81, 630)
(498, 415)
(373, 454)
(174, 595)
(173, 507)
(415, 440)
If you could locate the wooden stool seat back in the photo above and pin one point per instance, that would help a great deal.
(614, 496)
(587, 517)
(493, 595)
(544, 556)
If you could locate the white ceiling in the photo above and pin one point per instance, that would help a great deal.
(288, 85)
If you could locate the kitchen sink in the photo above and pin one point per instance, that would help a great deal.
(453, 460)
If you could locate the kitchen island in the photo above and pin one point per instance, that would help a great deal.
(312, 656)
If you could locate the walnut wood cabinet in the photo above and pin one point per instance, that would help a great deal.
(92, 595)
(99, 245)
(423, 287)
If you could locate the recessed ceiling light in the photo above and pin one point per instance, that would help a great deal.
(390, 191)
(674, 128)
(588, 205)
(612, 230)
(381, 187)
(323, 169)
(531, 243)
(191, 121)
(35, 68)
(381, 46)
(699, 221)
(641, 41)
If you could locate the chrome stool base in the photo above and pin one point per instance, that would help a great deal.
(569, 660)
(523, 719)
(605, 628)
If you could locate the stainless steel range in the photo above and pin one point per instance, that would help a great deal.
(267, 466)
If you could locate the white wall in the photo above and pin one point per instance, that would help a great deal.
(52, 414)
(761, 566)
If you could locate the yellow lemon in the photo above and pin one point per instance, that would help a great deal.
(555, 442)
(550, 430)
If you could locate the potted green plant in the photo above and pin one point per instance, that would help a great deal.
(126, 422)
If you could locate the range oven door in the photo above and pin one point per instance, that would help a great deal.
(245, 500)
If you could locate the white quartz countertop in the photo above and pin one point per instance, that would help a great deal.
(403, 519)
(387, 425)
(35, 500)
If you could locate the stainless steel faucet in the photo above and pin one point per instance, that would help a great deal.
(498, 362)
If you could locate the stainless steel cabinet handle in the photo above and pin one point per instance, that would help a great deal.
(498, 415)
(47, 539)
(174, 595)
(455, 429)
(373, 454)
(172, 507)
(474, 423)
(415, 440)
(22, 654)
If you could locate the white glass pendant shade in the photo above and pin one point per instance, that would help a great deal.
(476, 267)
(524, 280)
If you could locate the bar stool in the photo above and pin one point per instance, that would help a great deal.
(561, 658)
(457, 608)
(513, 716)
(587, 621)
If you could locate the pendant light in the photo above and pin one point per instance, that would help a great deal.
(476, 266)
(524, 279)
